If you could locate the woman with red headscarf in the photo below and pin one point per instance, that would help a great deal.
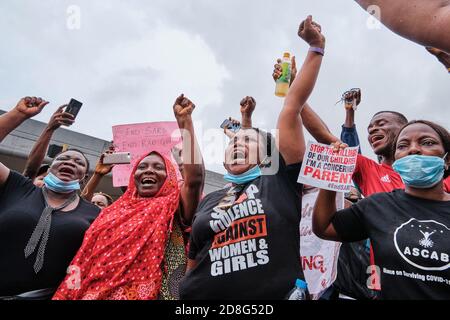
(135, 248)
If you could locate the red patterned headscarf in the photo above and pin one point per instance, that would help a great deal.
(122, 251)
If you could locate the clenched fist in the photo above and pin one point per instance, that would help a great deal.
(30, 106)
(354, 95)
(311, 32)
(183, 107)
(248, 105)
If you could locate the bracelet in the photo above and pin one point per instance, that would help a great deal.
(448, 69)
(317, 50)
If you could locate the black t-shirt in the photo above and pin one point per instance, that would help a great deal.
(251, 251)
(21, 205)
(410, 239)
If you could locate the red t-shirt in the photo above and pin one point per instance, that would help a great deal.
(372, 177)
(447, 184)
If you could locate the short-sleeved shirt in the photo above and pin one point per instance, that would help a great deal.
(21, 205)
(372, 177)
(411, 242)
(250, 251)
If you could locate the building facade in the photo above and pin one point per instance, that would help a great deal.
(16, 147)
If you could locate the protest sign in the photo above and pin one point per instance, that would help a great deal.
(140, 139)
(319, 258)
(325, 169)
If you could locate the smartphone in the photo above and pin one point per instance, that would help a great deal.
(228, 124)
(74, 107)
(53, 150)
(117, 158)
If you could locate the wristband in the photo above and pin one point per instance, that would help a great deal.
(317, 50)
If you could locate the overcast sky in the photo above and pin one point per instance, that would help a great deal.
(130, 59)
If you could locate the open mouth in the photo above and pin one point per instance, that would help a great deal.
(238, 154)
(375, 138)
(66, 171)
(147, 181)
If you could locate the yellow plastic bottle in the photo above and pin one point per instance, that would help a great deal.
(282, 86)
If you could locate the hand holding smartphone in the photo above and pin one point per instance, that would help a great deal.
(230, 125)
(74, 107)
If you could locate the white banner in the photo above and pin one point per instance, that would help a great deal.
(325, 169)
(318, 257)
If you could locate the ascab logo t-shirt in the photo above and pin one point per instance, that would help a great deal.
(410, 239)
(422, 243)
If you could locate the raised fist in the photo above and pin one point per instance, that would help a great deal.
(311, 32)
(353, 95)
(248, 105)
(30, 106)
(183, 107)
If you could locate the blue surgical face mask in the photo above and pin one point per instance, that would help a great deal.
(55, 184)
(419, 171)
(245, 177)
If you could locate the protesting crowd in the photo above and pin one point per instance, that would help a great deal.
(164, 239)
